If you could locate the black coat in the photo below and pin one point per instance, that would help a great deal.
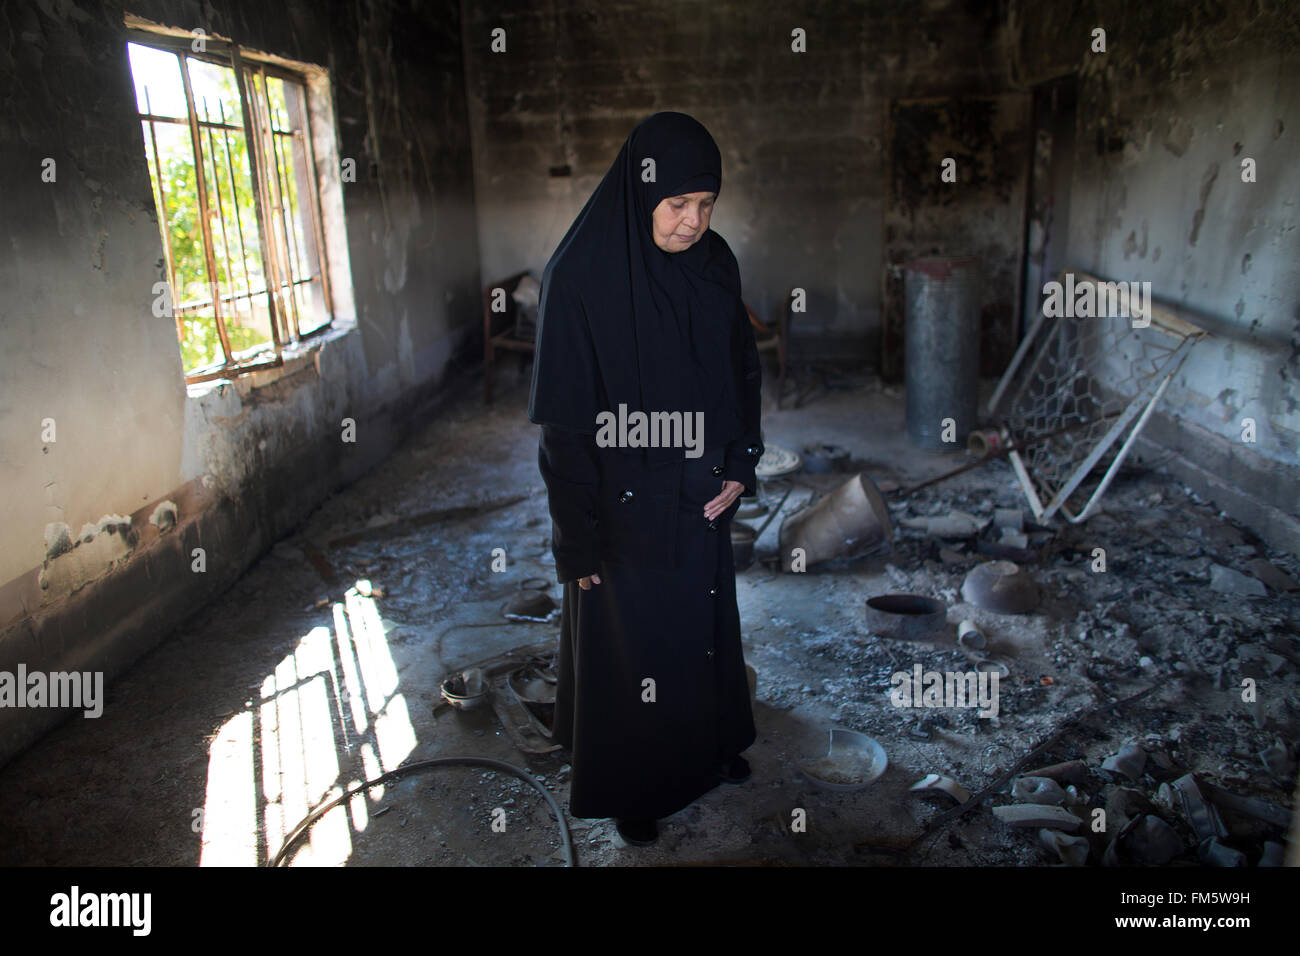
(665, 610)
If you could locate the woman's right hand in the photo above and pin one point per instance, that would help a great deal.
(588, 581)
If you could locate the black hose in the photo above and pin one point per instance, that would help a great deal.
(296, 833)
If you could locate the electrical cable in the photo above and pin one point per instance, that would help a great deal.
(296, 833)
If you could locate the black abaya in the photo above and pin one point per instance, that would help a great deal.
(652, 695)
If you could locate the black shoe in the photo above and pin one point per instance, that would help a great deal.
(735, 771)
(638, 832)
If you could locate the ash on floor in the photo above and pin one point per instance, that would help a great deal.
(288, 690)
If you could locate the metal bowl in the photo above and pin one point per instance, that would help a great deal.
(465, 691)
(1001, 586)
(822, 458)
(907, 617)
(853, 761)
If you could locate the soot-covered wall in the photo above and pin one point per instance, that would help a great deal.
(87, 581)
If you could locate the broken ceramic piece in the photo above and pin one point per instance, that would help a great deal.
(1012, 519)
(993, 665)
(1274, 854)
(982, 442)
(1277, 760)
(1152, 842)
(530, 605)
(1070, 850)
(530, 685)
(1071, 771)
(1166, 797)
(1268, 573)
(1229, 581)
(1014, 539)
(1036, 815)
(955, 524)
(971, 637)
(1162, 767)
(1202, 815)
(852, 519)
(1214, 853)
(936, 783)
(1000, 586)
(1248, 806)
(1042, 790)
(1129, 761)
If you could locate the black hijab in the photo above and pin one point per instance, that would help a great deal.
(623, 322)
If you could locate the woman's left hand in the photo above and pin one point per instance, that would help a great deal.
(730, 492)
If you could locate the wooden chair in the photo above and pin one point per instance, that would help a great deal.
(499, 329)
(767, 338)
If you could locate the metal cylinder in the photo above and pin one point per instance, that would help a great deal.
(941, 302)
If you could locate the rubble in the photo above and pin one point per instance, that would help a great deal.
(1070, 850)
(1071, 771)
(1041, 790)
(1152, 841)
(936, 783)
(1036, 815)
(1234, 582)
(1270, 575)
(1202, 816)
(1129, 761)
(955, 524)
(1214, 853)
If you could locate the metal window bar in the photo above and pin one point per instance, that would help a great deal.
(239, 224)
(205, 225)
(1101, 376)
(283, 205)
(301, 120)
(270, 258)
(221, 210)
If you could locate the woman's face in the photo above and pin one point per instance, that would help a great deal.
(680, 221)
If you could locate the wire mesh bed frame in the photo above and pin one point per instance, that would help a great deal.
(1096, 378)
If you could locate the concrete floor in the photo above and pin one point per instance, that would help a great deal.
(288, 689)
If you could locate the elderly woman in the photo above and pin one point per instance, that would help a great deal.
(646, 385)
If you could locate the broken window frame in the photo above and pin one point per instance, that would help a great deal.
(282, 276)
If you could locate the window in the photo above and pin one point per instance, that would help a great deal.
(229, 147)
